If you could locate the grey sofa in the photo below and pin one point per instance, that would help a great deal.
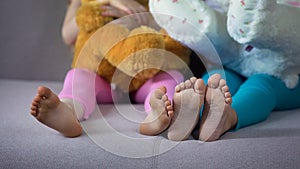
(33, 54)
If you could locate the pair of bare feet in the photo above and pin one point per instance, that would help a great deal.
(189, 97)
(180, 119)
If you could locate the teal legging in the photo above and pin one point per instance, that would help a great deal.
(254, 98)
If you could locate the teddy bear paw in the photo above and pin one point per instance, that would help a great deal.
(291, 81)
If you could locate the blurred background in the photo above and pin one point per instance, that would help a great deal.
(30, 40)
(31, 44)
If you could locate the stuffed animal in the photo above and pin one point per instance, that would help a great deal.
(250, 36)
(122, 56)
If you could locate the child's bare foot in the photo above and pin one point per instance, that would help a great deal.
(218, 116)
(49, 110)
(188, 99)
(161, 113)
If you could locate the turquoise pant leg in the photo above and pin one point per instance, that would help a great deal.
(259, 95)
(255, 98)
(287, 98)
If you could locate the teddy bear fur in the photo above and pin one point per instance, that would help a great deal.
(271, 45)
(119, 54)
(250, 36)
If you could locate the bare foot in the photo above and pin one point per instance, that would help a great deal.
(218, 116)
(161, 113)
(188, 99)
(49, 110)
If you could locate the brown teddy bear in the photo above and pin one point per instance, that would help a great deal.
(127, 58)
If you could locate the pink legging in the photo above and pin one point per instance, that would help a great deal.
(89, 89)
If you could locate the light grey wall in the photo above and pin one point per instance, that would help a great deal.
(31, 46)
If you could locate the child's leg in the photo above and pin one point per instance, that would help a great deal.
(77, 98)
(233, 81)
(152, 89)
(218, 115)
(60, 114)
(256, 98)
(79, 92)
(85, 88)
(104, 93)
(188, 99)
(266, 93)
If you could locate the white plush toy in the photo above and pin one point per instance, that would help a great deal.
(250, 36)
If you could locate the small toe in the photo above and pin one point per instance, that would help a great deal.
(193, 80)
(225, 89)
(177, 88)
(182, 86)
(188, 84)
(227, 95)
(33, 113)
(35, 103)
(167, 103)
(33, 107)
(37, 98)
(164, 97)
(222, 83)
(163, 89)
(228, 100)
(171, 114)
(169, 108)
